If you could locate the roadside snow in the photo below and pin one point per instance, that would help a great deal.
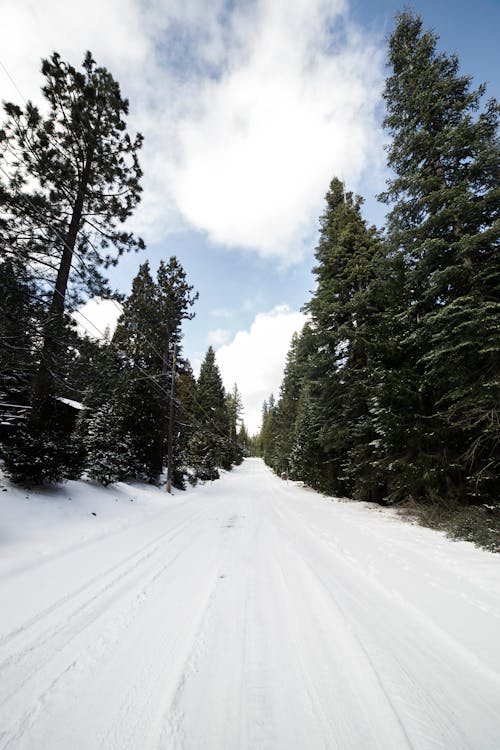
(247, 613)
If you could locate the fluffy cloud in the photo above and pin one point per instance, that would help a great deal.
(255, 359)
(248, 109)
(97, 317)
(294, 107)
(218, 336)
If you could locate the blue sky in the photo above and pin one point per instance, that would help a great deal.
(248, 110)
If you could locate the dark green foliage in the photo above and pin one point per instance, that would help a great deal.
(204, 451)
(347, 310)
(395, 394)
(146, 335)
(49, 455)
(210, 446)
(19, 319)
(444, 221)
(70, 177)
(308, 461)
(108, 447)
(234, 410)
(244, 441)
(84, 167)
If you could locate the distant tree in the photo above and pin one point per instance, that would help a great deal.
(208, 446)
(244, 441)
(268, 446)
(234, 409)
(185, 389)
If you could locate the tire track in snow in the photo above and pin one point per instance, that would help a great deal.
(408, 673)
(51, 646)
(353, 655)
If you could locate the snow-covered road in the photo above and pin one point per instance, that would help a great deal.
(249, 613)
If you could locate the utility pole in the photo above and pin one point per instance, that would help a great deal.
(171, 426)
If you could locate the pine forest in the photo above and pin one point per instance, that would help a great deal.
(390, 393)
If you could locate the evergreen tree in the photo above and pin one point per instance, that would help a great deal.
(268, 434)
(185, 389)
(308, 461)
(19, 324)
(107, 446)
(141, 394)
(174, 298)
(344, 313)
(84, 168)
(234, 409)
(208, 446)
(444, 221)
(244, 441)
(145, 337)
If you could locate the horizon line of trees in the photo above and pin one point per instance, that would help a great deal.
(392, 389)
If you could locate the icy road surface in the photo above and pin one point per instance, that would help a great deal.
(249, 613)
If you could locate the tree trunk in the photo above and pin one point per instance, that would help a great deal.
(41, 406)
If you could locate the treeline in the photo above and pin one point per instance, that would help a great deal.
(392, 389)
(122, 406)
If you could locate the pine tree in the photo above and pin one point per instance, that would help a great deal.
(344, 321)
(234, 409)
(268, 434)
(174, 298)
(308, 461)
(109, 456)
(84, 167)
(185, 389)
(208, 446)
(444, 222)
(244, 441)
(145, 337)
(141, 394)
(19, 324)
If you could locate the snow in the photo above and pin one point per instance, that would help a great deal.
(247, 613)
(69, 402)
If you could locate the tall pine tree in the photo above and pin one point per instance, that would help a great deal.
(73, 178)
(444, 221)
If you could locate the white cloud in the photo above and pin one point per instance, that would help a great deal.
(289, 112)
(255, 359)
(96, 317)
(247, 110)
(218, 336)
(222, 312)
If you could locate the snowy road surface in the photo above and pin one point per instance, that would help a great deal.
(249, 613)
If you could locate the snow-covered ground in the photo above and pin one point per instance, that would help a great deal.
(249, 613)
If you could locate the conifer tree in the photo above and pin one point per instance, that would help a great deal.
(145, 337)
(444, 221)
(107, 446)
(308, 461)
(234, 409)
(174, 298)
(85, 172)
(343, 311)
(19, 325)
(208, 447)
(140, 394)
